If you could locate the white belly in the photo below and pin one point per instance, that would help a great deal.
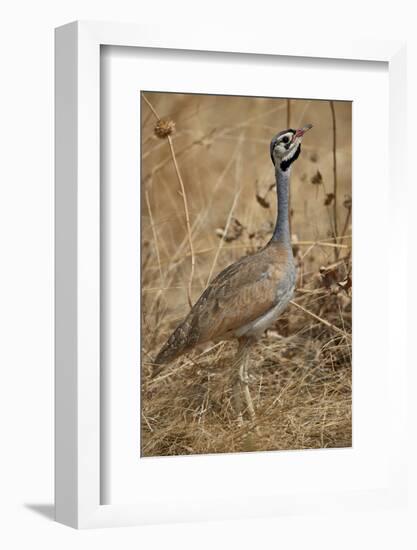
(258, 326)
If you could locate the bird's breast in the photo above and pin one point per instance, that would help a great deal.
(285, 287)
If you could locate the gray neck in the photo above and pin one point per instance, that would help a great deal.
(282, 227)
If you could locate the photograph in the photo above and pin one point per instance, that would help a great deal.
(246, 273)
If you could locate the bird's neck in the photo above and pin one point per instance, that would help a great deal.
(282, 227)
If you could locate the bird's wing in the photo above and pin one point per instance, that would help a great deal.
(241, 293)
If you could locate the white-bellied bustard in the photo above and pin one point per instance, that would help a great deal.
(250, 294)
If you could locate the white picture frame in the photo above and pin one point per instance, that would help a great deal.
(78, 404)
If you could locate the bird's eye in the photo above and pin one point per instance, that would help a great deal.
(285, 139)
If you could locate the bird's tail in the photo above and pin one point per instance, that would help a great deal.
(177, 344)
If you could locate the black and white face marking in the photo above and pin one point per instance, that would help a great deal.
(286, 146)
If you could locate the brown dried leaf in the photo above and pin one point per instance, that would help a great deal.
(328, 277)
(329, 199)
(262, 201)
(234, 231)
(317, 179)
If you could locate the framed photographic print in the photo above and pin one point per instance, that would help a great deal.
(230, 218)
(221, 347)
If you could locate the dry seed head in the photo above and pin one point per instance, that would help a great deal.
(164, 128)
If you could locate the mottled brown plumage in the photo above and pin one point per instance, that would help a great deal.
(240, 294)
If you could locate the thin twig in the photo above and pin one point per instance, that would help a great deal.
(187, 221)
(289, 190)
(151, 107)
(158, 256)
(349, 212)
(336, 252)
(288, 113)
(330, 325)
(229, 219)
(201, 218)
(147, 422)
(185, 202)
(297, 243)
(245, 246)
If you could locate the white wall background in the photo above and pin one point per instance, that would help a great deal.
(26, 269)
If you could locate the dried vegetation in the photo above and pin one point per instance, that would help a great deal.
(208, 198)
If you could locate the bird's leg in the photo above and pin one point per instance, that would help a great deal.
(244, 377)
(237, 388)
(242, 380)
(237, 401)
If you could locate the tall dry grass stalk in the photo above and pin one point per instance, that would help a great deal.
(334, 137)
(289, 194)
(184, 197)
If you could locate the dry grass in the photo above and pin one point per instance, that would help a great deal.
(216, 166)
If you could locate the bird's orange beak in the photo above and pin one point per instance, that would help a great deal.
(301, 131)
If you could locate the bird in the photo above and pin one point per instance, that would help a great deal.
(244, 299)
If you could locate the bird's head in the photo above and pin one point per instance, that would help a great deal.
(286, 146)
